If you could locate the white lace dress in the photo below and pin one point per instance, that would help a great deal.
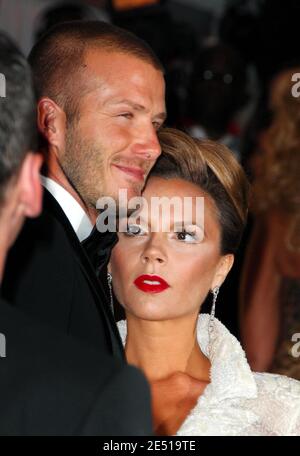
(238, 401)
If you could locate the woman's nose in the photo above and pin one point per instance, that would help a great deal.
(154, 253)
(148, 258)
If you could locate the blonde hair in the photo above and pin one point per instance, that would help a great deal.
(278, 184)
(214, 169)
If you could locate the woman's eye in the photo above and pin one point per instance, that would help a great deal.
(134, 230)
(186, 236)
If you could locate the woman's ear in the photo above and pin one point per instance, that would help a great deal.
(223, 268)
(109, 268)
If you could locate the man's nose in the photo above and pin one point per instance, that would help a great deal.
(147, 147)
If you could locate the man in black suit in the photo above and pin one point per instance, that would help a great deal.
(50, 384)
(100, 103)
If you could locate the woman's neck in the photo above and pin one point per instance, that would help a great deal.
(161, 348)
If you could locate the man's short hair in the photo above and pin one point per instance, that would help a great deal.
(17, 111)
(58, 57)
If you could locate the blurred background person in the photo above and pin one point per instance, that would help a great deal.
(24, 21)
(64, 12)
(270, 288)
(217, 92)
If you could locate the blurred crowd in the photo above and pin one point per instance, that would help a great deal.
(231, 78)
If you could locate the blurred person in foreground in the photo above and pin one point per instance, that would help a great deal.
(270, 289)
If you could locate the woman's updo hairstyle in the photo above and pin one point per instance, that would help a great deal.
(212, 167)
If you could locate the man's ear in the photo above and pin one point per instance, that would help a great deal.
(29, 182)
(223, 268)
(51, 121)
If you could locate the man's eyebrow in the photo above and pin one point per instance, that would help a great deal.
(131, 103)
(138, 107)
(161, 116)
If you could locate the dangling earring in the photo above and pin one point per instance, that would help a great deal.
(109, 282)
(215, 292)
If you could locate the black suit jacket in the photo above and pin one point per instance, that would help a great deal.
(52, 384)
(49, 276)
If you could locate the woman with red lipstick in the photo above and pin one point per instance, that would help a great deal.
(162, 276)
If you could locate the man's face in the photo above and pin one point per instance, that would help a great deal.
(114, 143)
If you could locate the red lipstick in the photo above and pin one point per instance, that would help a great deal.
(151, 283)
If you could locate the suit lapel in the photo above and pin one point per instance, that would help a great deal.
(52, 206)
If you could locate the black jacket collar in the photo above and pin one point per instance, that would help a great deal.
(102, 300)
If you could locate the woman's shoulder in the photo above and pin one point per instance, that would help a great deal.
(279, 400)
(275, 383)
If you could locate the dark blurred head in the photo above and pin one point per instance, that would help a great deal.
(17, 112)
(65, 12)
(217, 88)
(20, 190)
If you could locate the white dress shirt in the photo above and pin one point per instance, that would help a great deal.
(78, 218)
(237, 401)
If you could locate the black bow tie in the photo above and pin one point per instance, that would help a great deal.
(98, 247)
